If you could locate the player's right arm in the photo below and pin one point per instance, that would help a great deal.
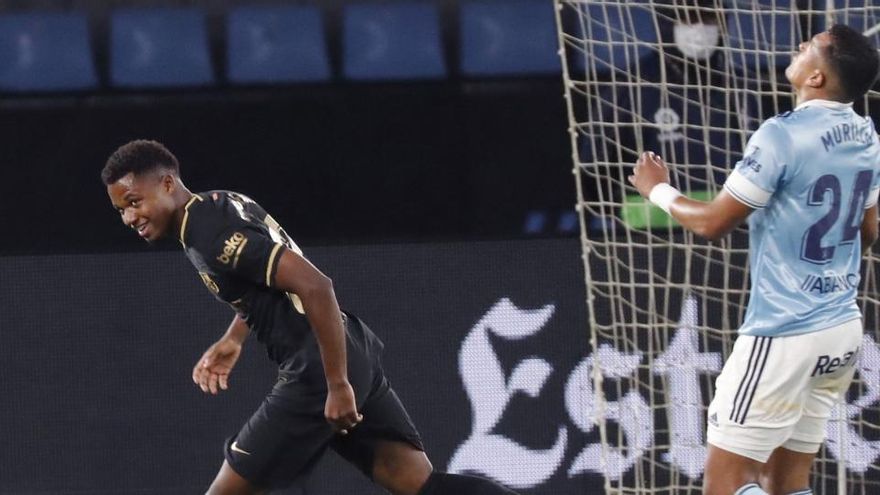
(710, 219)
(766, 162)
(296, 275)
(235, 246)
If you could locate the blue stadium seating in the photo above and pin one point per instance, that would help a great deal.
(764, 37)
(45, 52)
(508, 38)
(159, 48)
(568, 223)
(392, 41)
(616, 36)
(276, 44)
(534, 222)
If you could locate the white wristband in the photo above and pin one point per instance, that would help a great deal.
(663, 195)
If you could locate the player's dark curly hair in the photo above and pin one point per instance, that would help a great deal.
(138, 156)
(854, 59)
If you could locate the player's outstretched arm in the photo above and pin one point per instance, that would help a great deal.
(869, 229)
(211, 372)
(297, 275)
(712, 220)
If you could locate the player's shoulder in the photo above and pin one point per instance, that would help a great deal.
(788, 119)
(777, 130)
(222, 199)
(808, 114)
(207, 206)
(797, 117)
(210, 214)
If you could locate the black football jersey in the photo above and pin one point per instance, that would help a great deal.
(235, 246)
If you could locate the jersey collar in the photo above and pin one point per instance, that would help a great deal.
(189, 203)
(831, 105)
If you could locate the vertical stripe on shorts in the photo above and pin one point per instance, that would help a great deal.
(752, 377)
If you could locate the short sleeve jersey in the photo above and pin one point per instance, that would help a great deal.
(235, 246)
(810, 174)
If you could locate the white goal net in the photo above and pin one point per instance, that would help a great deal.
(690, 80)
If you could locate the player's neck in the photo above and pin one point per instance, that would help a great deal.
(806, 94)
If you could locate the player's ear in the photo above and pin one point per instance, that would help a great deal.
(817, 79)
(168, 183)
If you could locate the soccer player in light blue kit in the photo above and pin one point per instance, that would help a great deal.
(808, 183)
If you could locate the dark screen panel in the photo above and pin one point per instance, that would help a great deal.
(97, 353)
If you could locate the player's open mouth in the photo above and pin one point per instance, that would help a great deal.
(142, 229)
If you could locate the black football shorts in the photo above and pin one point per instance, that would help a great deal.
(288, 433)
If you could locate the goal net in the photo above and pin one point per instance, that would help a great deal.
(690, 80)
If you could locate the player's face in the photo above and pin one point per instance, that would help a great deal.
(808, 59)
(145, 203)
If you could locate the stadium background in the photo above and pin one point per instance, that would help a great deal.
(340, 159)
(430, 200)
(414, 195)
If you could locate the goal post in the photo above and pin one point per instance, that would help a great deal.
(664, 306)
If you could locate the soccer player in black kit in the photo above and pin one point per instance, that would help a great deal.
(331, 390)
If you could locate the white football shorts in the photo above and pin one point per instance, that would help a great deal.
(779, 391)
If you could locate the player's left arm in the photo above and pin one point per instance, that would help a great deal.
(211, 372)
(297, 275)
(869, 228)
(713, 219)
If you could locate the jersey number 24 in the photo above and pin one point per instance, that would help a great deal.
(812, 249)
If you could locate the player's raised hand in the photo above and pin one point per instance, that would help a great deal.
(211, 372)
(649, 171)
(341, 408)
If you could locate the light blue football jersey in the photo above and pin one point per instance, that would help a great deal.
(810, 174)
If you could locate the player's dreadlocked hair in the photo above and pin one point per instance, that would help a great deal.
(138, 157)
(854, 59)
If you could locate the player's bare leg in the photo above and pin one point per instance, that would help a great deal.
(726, 472)
(228, 482)
(400, 468)
(786, 472)
(404, 470)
